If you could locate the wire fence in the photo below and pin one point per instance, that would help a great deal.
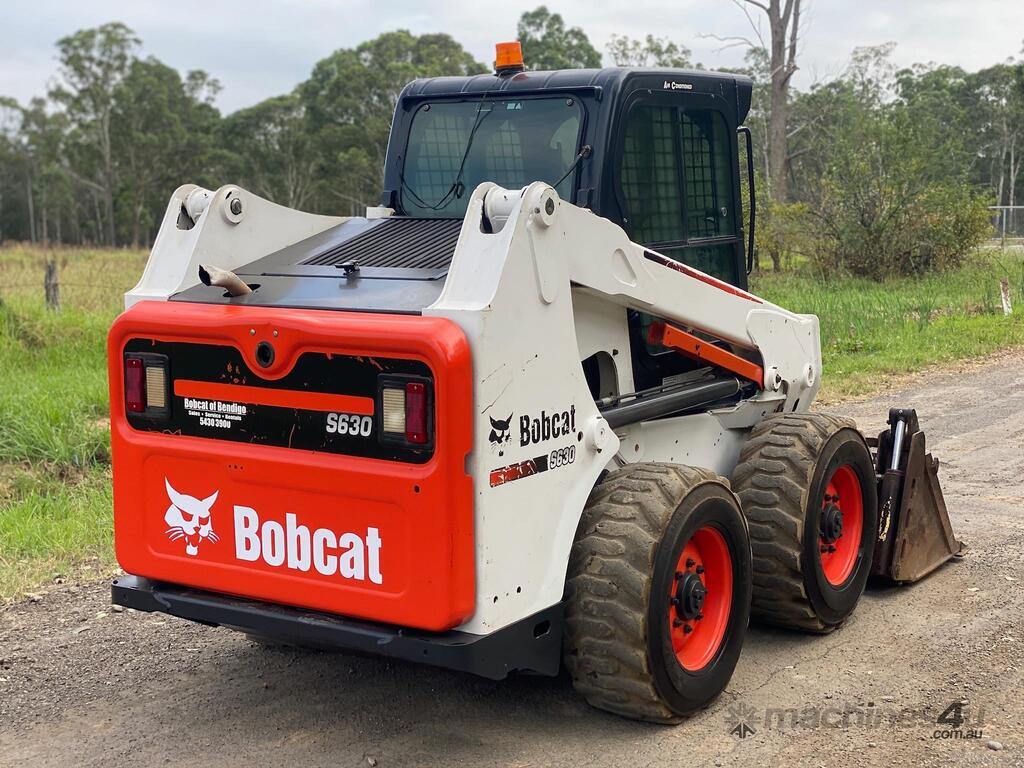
(1007, 222)
(90, 281)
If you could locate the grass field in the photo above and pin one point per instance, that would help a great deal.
(55, 500)
(872, 332)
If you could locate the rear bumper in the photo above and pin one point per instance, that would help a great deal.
(530, 645)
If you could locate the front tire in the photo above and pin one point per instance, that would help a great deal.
(807, 485)
(658, 592)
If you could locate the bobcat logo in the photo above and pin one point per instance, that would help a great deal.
(188, 518)
(501, 434)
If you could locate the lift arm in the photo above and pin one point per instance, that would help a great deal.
(596, 256)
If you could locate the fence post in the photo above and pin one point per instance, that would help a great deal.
(51, 284)
(1004, 294)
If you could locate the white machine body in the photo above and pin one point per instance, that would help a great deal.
(537, 285)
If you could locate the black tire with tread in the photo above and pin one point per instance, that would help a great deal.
(779, 468)
(616, 561)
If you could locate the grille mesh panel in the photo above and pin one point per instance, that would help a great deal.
(397, 243)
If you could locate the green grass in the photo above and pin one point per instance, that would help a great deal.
(55, 499)
(874, 332)
(55, 505)
(53, 525)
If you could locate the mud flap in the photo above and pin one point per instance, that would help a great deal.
(914, 533)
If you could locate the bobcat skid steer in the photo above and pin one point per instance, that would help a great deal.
(523, 412)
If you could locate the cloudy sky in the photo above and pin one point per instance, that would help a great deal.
(261, 48)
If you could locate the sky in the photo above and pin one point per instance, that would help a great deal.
(263, 48)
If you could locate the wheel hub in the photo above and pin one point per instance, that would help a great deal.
(690, 595)
(700, 598)
(831, 520)
(841, 525)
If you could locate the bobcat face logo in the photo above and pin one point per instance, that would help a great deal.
(501, 434)
(188, 518)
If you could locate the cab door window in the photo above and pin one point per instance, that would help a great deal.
(677, 186)
(707, 170)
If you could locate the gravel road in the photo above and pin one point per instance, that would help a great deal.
(83, 685)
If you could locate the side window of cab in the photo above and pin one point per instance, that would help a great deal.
(677, 185)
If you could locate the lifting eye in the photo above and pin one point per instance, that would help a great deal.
(265, 354)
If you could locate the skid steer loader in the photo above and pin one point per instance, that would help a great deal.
(523, 411)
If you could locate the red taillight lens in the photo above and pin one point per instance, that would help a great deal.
(134, 385)
(416, 413)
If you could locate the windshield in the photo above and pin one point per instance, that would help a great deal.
(456, 145)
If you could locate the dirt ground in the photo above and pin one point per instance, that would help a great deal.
(83, 685)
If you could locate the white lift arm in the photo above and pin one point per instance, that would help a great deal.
(601, 260)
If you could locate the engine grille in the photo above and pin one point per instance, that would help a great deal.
(398, 243)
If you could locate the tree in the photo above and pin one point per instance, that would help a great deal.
(48, 185)
(158, 133)
(885, 182)
(1001, 89)
(650, 52)
(13, 164)
(350, 99)
(548, 44)
(93, 62)
(274, 150)
(784, 27)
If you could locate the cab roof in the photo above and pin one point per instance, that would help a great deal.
(609, 81)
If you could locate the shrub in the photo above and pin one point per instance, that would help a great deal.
(929, 229)
(889, 205)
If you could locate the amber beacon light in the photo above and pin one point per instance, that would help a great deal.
(508, 58)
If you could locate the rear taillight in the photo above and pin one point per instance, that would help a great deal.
(416, 413)
(405, 410)
(134, 385)
(145, 385)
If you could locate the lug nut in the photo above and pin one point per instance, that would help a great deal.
(699, 616)
(690, 562)
(679, 574)
(687, 629)
(677, 622)
(700, 569)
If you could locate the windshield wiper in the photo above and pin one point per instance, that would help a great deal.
(457, 187)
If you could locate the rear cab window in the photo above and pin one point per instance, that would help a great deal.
(455, 145)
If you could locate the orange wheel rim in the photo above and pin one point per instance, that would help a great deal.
(700, 599)
(841, 525)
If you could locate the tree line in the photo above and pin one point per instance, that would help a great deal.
(877, 170)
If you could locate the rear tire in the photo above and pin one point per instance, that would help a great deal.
(794, 473)
(644, 534)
